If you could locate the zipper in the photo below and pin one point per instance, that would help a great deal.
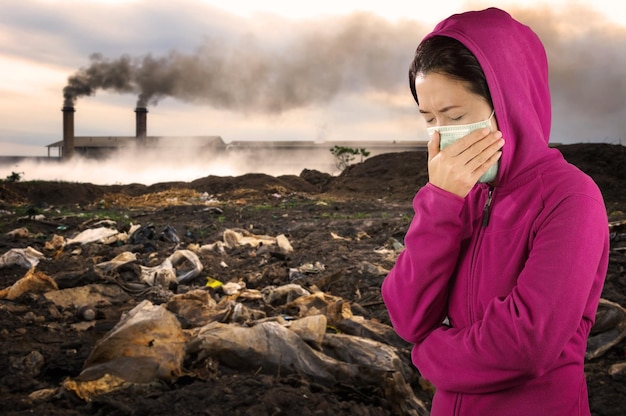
(476, 248)
(487, 208)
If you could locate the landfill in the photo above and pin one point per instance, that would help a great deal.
(250, 295)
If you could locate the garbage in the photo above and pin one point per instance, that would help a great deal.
(273, 348)
(618, 371)
(236, 238)
(170, 234)
(283, 244)
(32, 282)
(194, 308)
(95, 235)
(25, 257)
(608, 330)
(280, 295)
(142, 234)
(187, 265)
(146, 346)
(180, 267)
(162, 275)
(54, 246)
(21, 232)
(118, 261)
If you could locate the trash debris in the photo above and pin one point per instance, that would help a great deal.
(180, 267)
(608, 330)
(54, 246)
(334, 308)
(281, 295)
(32, 282)
(236, 238)
(273, 348)
(21, 232)
(146, 346)
(118, 261)
(25, 257)
(103, 235)
(86, 312)
(170, 234)
(618, 371)
(187, 265)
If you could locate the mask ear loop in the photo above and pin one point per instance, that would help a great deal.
(490, 117)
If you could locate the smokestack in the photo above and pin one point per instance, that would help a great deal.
(141, 121)
(68, 132)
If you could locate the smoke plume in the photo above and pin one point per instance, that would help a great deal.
(248, 75)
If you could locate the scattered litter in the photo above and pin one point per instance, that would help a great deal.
(231, 288)
(213, 283)
(336, 236)
(25, 257)
(608, 330)
(21, 232)
(118, 261)
(618, 371)
(95, 235)
(284, 244)
(180, 267)
(280, 295)
(32, 282)
(146, 346)
(55, 245)
(275, 348)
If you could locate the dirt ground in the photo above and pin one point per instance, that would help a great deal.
(342, 230)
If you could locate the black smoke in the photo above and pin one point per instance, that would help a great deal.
(363, 52)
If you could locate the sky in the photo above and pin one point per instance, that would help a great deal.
(275, 70)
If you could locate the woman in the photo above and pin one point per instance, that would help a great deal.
(499, 282)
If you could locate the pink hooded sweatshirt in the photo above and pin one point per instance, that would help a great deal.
(519, 277)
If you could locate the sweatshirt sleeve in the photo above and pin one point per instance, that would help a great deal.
(521, 335)
(415, 290)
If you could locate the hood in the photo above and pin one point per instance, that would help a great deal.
(515, 64)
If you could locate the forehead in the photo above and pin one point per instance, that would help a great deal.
(436, 91)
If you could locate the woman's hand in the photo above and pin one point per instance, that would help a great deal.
(458, 167)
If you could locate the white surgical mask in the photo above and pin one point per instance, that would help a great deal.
(452, 133)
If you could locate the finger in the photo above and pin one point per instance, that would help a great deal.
(483, 168)
(468, 141)
(484, 147)
(485, 158)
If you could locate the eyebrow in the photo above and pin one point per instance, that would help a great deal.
(441, 110)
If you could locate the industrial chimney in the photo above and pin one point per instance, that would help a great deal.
(68, 132)
(141, 121)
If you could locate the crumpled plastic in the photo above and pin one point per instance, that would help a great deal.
(26, 257)
(146, 346)
(608, 330)
(180, 267)
(95, 235)
(272, 347)
(32, 282)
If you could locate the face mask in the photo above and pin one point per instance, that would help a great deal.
(450, 134)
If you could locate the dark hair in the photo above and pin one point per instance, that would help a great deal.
(448, 56)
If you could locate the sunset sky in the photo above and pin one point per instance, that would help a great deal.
(241, 62)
